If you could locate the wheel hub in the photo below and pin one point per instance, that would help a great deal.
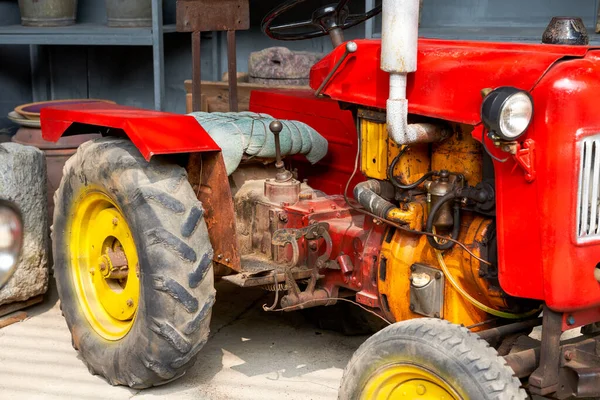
(403, 381)
(103, 249)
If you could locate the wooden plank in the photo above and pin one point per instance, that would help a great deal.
(215, 95)
(211, 15)
(12, 319)
(12, 307)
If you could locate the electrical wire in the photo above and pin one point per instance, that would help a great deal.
(295, 307)
(398, 226)
(502, 160)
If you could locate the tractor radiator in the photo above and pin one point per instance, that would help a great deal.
(588, 222)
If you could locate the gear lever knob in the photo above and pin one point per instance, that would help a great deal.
(282, 175)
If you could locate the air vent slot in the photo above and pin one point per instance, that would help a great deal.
(588, 222)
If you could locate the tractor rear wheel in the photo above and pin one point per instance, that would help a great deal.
(428, 358)
(133, 264)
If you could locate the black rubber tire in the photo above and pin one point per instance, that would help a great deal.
(462, 359)
(175, 259)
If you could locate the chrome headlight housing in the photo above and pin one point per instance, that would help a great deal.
(506, 112)
(11, 239)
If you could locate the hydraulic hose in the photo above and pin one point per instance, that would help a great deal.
(396, 183)
(472, 300)
(431, 217)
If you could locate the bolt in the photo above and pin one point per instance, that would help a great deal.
(283, 217)
(436, 315)
(92, 271)
(421, 390)
(115, 221)
(227, 260)
(102, 267)
(338, 214)
(413, 268)
(137, 270)
(438, 275)
(568, 355)
(333, 207)
(311, 210)
(412, 307)
(129, 302)
(570, 320)
(220, 256)
(313, 246)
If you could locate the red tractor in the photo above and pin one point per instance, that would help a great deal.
(457, 201)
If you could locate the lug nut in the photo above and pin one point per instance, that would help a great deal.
(115, 221)
(129, 302)
(421, 390)
(92, 271)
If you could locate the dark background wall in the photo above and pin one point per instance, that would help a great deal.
(124, 73)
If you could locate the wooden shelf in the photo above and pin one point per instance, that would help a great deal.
(79, 34)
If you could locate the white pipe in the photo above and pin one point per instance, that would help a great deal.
(399, 40)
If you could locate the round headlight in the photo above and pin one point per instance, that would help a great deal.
(11, 238)
(507, 112)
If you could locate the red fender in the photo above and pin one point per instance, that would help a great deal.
(152, 132)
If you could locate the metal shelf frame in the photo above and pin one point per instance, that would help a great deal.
(95, 34)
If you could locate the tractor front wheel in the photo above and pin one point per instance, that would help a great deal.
(428, 359)
(133, 264)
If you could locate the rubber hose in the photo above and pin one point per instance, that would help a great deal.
(431, 218)
(369, 195)
(396, 183)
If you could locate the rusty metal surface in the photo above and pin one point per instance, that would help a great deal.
(544, 379)
(196, 69)
(211, 15)
(206, 173)
(509, 329)
(232, 69)
(579, 381)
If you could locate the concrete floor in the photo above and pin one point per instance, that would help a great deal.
(251, 355)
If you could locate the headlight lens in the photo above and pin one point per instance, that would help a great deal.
(507, 112)
(11, 238)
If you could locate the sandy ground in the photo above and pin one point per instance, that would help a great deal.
(251, 355)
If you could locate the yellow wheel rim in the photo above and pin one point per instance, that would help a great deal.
(104, 262)
(405, 381)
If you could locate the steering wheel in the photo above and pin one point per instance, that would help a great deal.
(330, 20)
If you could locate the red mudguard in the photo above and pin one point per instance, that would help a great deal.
(152, 132)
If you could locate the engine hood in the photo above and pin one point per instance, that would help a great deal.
(450, 75)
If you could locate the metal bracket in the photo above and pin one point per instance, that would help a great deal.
(524, 155)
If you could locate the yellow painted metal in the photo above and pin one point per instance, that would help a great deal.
(407, 381)
(460, 153)
(404, 250)
(378, 152)
(410, 213)
(97, 225)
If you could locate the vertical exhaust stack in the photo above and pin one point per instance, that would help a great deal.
(399, 40)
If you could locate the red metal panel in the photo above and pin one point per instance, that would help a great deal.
(539, 254)
(325, 115)
(153, 132)
(450, 75)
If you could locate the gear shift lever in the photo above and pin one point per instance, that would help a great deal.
(283, 175)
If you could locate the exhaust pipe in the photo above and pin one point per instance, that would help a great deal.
(399, 40)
